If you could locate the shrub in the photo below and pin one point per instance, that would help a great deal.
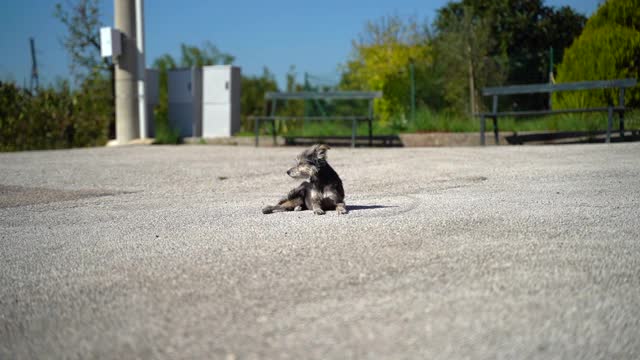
(56, 117)
(608, 48)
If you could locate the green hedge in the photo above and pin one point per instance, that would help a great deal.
(55, 117)
(608, 48)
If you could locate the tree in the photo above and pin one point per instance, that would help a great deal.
(206, 55)
(522, 30)
(381, 58)
(82, 40)
(608, 48)
(463, 48)
(55, 117)
(252, 101)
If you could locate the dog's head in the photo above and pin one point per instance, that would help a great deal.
(309, 162)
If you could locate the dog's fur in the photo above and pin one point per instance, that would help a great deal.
(323, 190)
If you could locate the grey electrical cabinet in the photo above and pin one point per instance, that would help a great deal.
(220, 100)
(205, 102)
(185, 101)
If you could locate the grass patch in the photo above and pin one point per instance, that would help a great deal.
(166, 135)
(429, 121)
(432, 121)
(321, 128)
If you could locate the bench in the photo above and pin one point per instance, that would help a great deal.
(620, 84)
(274, 97)
(378, 140)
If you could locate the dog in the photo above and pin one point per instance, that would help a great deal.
(323, 191)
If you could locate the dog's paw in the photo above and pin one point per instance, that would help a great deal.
(297, 208)
(267, 209)
(318, 212)
(341, 211)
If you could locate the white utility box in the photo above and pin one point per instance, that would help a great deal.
(152, 98)
(205, 102)
(220, 100)
(110, 42)
(185, 101)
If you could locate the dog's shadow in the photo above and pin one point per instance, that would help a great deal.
(367, 207)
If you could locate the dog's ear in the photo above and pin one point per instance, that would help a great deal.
(321, 151)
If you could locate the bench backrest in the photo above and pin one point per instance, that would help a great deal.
(549, 88)
(369, 96)
(328, 95)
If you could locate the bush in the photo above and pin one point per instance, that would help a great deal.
(56, 117)
(608, 48)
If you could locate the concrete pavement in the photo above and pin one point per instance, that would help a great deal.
(447, 253)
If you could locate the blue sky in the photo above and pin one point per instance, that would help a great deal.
(314, 36)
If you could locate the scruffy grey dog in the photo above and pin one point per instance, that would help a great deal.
(322, 192)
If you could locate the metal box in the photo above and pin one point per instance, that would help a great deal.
(220, 100)
(110, 42)
(185, 101)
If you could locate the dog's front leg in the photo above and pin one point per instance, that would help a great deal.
(316, 202)
(299, 191)
(341, 208)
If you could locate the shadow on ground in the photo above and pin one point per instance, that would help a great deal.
(367, 207)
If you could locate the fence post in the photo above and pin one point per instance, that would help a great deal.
(482, 126)
(494, 109)
(353, 132)
(621, 113)
(257, 129)
(273, 130)
(413, 91)
(609, 123)
(274, 104)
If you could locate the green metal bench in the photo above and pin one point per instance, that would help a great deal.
(273, 97)
(494, 92)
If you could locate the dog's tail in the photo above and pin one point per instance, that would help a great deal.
(268, 209)
(283, 205)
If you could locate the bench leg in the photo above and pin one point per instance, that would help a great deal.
(354, 127)
(482, 126)
(273, 129)
(257, 130)
(621, 124)
(609, 124)
(495, 130)
(370, 133)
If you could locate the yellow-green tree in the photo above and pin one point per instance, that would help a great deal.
(381, 58)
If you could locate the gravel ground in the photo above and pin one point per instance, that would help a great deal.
(447, 253)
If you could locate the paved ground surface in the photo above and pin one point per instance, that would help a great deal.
(449, 253)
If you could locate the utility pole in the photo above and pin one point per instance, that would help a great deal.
(127, 119)
(142, 71)
(33, 84)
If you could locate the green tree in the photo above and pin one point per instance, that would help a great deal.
(55, 117)
(82, 42)
(82, 39)
(463, 49)
(252, 96)
(208, 54)
(381, 59)
(522, 30)
(608, 48)
(293, 108)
